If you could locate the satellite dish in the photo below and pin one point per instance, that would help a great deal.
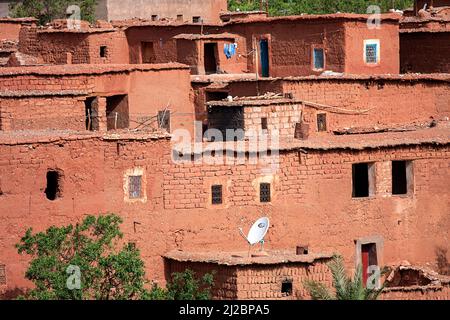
(257, 232)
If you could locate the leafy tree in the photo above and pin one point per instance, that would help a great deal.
(48, 10)
(186, 286)
(290, 7)
(90, 247)
(183, 286)
(345, 288)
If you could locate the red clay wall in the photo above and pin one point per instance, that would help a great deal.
(146, 89)
(388, 35)
(313, 191)
(419, 52)
(291, 44)
(258, 282)
(42, 113)
(9, 30)
(64, 47)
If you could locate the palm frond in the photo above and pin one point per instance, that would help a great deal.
(340, 279)
(318, 291)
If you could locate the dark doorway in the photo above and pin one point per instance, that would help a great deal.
(210, 57)
(53, 189)
(361, 176)
(117, 113)
(223, 118)
(91, 112)
(286, 288)
(148, 52)
(399, 177)
(264, 56)
(369, 258)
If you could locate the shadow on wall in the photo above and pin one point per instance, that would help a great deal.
(12, 294)
(442, 262)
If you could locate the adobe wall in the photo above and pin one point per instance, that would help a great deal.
(281, 118)
(418, 52)
(388, 35)
(118, 10)
(65, 47)
(418, 293)
(312, 191)
(45, 112)
(258, 282)
(387, 102)
(291, 44)
(140, 85)
(9, 30)
(165, 48)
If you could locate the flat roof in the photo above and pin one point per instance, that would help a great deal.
(17, 20)
(254, 101)
(19, 137)
(82, 69)
(241, 258)
(66, 30)
(394, 17)
(246, 77)
(192, 36)
(437, 136)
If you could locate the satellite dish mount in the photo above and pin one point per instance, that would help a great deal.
(256, 235)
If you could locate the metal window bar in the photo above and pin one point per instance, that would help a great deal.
(319, 59)
(135, 187)
(216, 194)
(264, 192)
(371, 53)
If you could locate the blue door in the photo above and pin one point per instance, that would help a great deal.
(264, 56)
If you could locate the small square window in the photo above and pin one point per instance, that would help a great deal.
(319, 59)
(216, 194)
(135, 187)
(264, 192)
(264, 124)
(155, 17)
(321, 122)
(196, 19)
(286, 288)
(103, 51)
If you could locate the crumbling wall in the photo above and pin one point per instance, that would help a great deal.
(258, 282)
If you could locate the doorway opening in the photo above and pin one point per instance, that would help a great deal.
(369, 258)
(117, 113)
(264, 57)
(91, 112)
(210, 57)
(148, 52)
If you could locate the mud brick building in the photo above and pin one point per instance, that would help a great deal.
(420, 32)
(357, 162)
(185, 11)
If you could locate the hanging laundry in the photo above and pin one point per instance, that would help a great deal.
(229, 50)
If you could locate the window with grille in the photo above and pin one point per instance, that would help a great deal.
(319, 59)
(371, 51)
(264, 192)
(135, 187)
(216, 194)
(2, 274)
(321, 122)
